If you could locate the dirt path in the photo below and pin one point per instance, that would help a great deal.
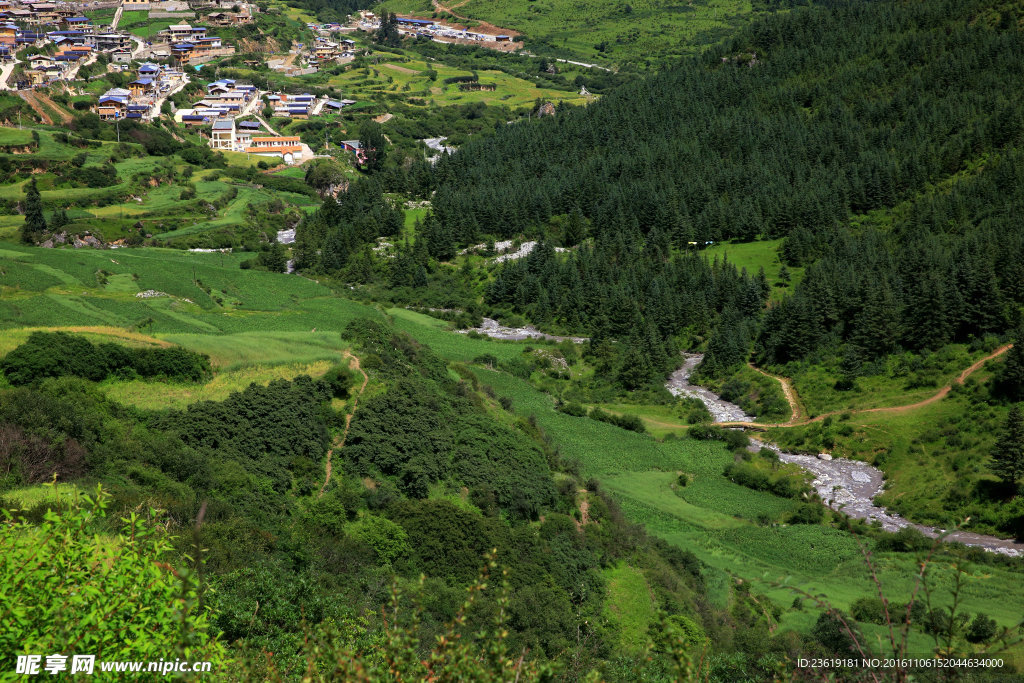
(43, 100)
(481, 26)
(339, 442)
(30, 99)
(796, 409)
(937, 396)
(584, 510)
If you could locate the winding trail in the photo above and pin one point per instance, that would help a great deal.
(339, 442)
(797, 412)
(796, 408)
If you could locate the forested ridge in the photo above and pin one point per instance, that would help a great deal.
(807, 117)
(793, 128)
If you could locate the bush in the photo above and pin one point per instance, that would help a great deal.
(574, 409)
(808, 513)
(59, 354)
(906, 540)
(734, 439)
(982, 629)
(339, 380)
(870, 610)
(137, 591)
(630, 422)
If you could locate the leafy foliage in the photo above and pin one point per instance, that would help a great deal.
(59, 354)
(67, 587)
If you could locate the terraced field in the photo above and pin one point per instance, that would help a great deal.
(598, 31)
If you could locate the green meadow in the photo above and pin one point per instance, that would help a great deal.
(753, 256)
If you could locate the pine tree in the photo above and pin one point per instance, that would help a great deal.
(1008, 454)
(372, 144)
(1009, 380)
(575, 229)
(35, 223)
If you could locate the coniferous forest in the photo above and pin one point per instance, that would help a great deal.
(829, 128)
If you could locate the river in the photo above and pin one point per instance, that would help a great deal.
(847, 485)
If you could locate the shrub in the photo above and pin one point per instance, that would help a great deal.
(574, 409)
(982, 629)
(135, 592)
(630, 422)
(808, 513)
(59, 354)
(339, 380)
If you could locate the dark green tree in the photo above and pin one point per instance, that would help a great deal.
(372, 144)
(274, 258)
(1008, 382)
(35, 223)
(1008, 454)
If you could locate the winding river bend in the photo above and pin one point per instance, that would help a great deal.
(847, 485)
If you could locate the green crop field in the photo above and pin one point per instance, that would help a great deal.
(158, 396)
(139, 24)
(409, 78)
(64, 289)
(13, 137)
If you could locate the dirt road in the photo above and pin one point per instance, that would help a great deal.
(481, 26)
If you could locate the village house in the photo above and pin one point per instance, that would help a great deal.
(142, 87)
(8, 34)
(288, 149)
(106, 42)
(113, 104)
(76, 24)
(184, 32)
(41, 61)
(29, 37)
(223, 135)
(138, 111)
(230, 18)
(22, 15)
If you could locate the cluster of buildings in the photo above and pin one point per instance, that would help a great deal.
(42, 13)
(191, 44)
(75, 37)
(140, 100)
(323, 50)
(410, 26)
(303, 106)
(224, 99)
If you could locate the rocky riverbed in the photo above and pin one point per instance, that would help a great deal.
(846, 485)
(492, 328)
(679, 385)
